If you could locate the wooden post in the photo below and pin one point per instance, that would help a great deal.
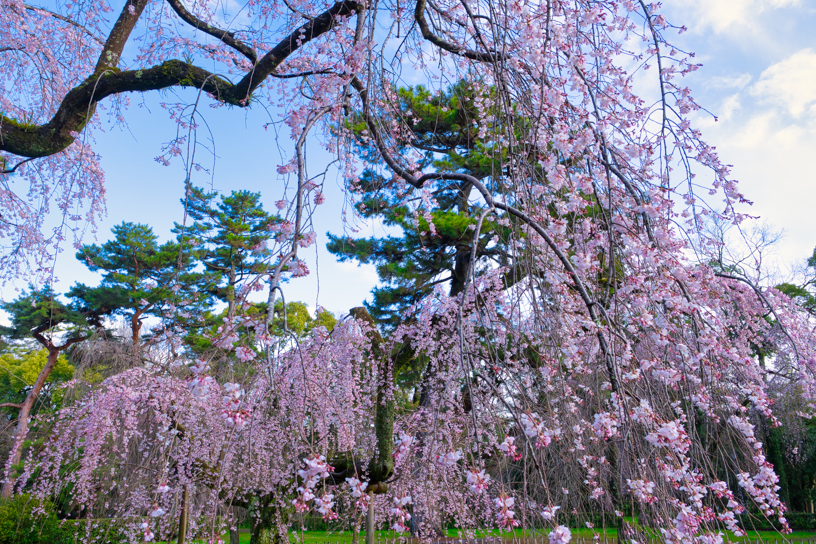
(371, 538)
(182, 530)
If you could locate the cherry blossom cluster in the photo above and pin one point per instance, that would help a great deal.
(508, 446)
(316, 469)
(323, 506)
(449, 459)
(403, 444)
(534, 428)
(477, 481)
(400, 513)
(548, 513)
(359, 493)
(560, 535)
(505, 514)
(642, 490)
(201, 384)
(605, 425)
(234, 414)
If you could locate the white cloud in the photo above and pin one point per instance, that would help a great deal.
(728, 82)
(729, 16)
(768, 151)
(720, 15)
(731, 105)
(754, 133)
(790, 84)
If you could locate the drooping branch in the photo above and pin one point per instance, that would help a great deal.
(78, 106)
(761, 296)
(64, 19)
(225, 36)
(419, 182)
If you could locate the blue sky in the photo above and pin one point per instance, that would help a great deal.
(759, 78)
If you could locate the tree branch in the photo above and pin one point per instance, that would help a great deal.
(112, 50)
(79, 103)
(302, 35)
(223, 35)
(78, 106)
(71, 22)
(11, 405)
(761, 296)
(427, 33)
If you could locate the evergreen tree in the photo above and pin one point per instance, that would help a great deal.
(229, 235)
(140, 278)
(422, 256)
(804, 294)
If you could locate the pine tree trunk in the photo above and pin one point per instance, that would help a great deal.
(135, 330)
(264, 533)
(23, 419)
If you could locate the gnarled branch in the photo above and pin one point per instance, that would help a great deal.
(78, 106)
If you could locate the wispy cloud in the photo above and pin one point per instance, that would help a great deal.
(728, 82)
(730, 16)
(790, 84)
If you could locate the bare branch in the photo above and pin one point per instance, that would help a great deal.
(225, 36)
(427, 33)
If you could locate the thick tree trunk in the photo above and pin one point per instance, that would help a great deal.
(23, 419)
(264, 530)
(231, 294)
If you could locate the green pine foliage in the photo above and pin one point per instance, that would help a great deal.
(140, 277)
(412, 263)
(40, 310)
(228, 236)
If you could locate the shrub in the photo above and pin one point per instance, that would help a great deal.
(21, 523)
(798, 521)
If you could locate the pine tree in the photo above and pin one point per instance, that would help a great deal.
(229, 237)
(140, 278)
(423, 256)
(804, 294)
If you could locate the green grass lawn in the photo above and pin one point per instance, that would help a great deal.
(385, 537)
